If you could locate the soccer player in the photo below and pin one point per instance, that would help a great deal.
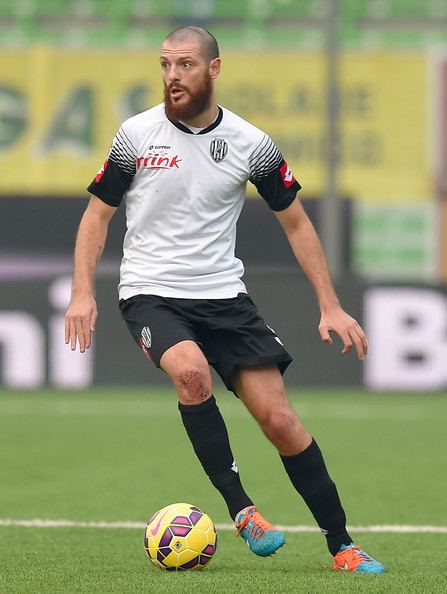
(183, 166)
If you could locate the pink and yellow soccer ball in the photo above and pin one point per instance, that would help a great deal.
(180, 536)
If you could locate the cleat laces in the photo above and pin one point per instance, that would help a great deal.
(261, 537)
(255, 524)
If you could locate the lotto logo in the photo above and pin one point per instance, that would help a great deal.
(101, 172)
(287, 176)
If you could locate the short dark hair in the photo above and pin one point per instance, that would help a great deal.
(207, 40)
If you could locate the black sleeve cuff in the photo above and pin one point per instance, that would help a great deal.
(103, 195)
(111, 183)
(286, 199)
(278, 188)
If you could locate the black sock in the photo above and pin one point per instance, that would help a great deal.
(209, 437)
(310, 477)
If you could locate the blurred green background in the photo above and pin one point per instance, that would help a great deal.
(363, 24)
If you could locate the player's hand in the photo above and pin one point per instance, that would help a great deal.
(80, 322)
(347, 328)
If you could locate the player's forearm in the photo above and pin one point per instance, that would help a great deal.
(309, 253)
(89, 247)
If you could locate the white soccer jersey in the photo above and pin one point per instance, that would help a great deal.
(184, 193)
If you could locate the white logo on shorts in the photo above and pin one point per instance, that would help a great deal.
(276, 336)
(146, 337)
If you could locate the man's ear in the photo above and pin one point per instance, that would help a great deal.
(215, 68)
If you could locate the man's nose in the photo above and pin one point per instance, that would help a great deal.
(173, 73)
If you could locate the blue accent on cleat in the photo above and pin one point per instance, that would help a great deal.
(261, 537)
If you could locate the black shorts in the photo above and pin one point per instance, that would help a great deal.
(230, 332)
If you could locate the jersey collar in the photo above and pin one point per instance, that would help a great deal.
(212, 126)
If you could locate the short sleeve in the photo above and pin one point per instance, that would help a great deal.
(114, 178)
(272, 176)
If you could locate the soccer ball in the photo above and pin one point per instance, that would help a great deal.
(180, 536)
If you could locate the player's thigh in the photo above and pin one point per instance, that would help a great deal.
(188, 368)
(236, 336)
(155, 324)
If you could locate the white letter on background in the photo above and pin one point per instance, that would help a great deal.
(23, 344)
(407, 333)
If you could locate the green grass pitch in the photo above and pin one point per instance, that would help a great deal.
(119, 455)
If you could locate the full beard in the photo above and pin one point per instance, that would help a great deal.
(196, 103)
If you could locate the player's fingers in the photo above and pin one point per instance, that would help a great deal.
(360, 341)
(93, 321)
(324, 334)
(86, 332)
(347, 343)
(67, 331)
(358, 345)
(72, 334)
(363, 339)
(89, 328)
(87, 338)
(80, 335)
(365, 345)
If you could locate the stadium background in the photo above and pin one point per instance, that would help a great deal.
(357, 101)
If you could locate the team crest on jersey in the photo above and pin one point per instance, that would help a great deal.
(146, 337)
(218, 149)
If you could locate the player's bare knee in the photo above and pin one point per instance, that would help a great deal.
(193, 384)
(279, 424)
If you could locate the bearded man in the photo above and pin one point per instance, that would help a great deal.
(182, 167)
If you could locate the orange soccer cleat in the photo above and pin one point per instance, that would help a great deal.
(261, 537)
(352, 558)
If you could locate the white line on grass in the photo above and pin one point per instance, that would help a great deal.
(385, 528)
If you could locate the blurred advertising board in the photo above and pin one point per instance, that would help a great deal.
(406, 325)
(61, 108)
